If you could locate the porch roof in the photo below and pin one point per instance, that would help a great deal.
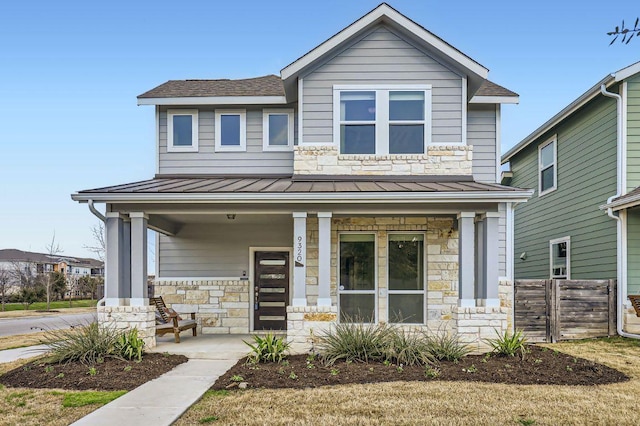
(302, 187)
(628, 200)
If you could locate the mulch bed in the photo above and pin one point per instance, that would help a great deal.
(112, 374)
(541, 366)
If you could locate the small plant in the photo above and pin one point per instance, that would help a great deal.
(48, 369)
(508, 344)
(310, 366)
(237, 378)
(386, 362)
(208, 419)
(569, 368)
(537, 361)
(354, 340)
(371, 369)
(129, 345)
(486, 357)
(293, 375)
(335, 371)
(445, 346)
(408, 348)
(526, 422)
(285, 362)
(431, 372)
(92, 371)
(127, 368)
(269, 348)
(507, 366)
(60, 376)
(280, 370)
(472, 369)
(311, 357)
(399, 368)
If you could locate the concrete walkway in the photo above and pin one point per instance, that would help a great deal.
(163, 400)
(10, 355)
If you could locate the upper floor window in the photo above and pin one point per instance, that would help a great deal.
(547, 167)
(231, 130)
(393, 120)
(559, 258)
(277, 130)
(182, 130)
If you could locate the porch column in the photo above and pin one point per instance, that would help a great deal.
(125, 258)
(299, 258)
(466, 259)
(491, 259)
(480, 259)
(324, 258)
(114, 268)
(139, 292)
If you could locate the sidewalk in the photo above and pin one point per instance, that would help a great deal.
(10, 355)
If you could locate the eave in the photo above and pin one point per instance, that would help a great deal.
(216, 100)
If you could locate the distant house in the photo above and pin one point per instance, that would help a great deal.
(583, 221)
(37, 263)
(361, 183)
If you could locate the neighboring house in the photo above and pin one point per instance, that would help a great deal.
(584, 166)
(359, 184)
(37, 263)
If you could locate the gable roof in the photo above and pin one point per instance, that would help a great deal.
(567, 111)
(492, 93)
(15, 255)
(266, 89)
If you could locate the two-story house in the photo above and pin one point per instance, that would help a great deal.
(360, 185)
(583, 220)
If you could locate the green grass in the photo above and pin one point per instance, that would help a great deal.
(58, 304)
(80, 399)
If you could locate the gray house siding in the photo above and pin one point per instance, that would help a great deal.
(586, 178)
(207, 161)
(481, 133)
(218, 250)
(633, 132)
(382, 56)
(633, 251)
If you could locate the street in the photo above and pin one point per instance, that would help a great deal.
(24, 325)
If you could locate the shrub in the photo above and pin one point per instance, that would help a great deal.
(92, 343)
(508, 344)
(129, 346)
(407, 348)
(445, 346)
(269, 348)
(350, 341)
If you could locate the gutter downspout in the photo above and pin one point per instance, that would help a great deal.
(620, 247)
(100, 216)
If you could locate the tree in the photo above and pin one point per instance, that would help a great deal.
(89, 284)
(626, 33)
(32, 286)
(5, 279)
(58, 285)
(53, 250)
(99, 245)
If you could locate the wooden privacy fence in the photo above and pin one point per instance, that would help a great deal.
(554, 310)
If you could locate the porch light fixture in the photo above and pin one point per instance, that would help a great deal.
(231, 216)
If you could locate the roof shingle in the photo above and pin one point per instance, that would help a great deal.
(489, 88)
(268, 85)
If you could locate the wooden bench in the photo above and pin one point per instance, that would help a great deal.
(168, 320)
(635, 301)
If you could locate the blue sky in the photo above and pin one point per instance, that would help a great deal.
(71, 70)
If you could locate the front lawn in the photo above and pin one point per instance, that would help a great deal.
(58, 304)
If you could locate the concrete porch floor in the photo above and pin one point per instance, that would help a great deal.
(207, 346)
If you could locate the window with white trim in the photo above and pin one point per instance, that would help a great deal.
(231, 130)
(182, 130)
(559, 258)
(406, 275)
(277, 130)
(547, 167)
(357, 278)
(381, 121)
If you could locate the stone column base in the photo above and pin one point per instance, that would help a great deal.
(631, 322)
(128, 317)
(306, 323)
(474, 325)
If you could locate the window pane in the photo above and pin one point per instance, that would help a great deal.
(546, 155)
(407, 308)
(355, 139)
(230, 130)
(546, 179)
(406, 105)
(279, 129)
(406, 139)
(182, 130)
(357, 106)
(357, 265)
(406, 262)
(357, 307)
(559, 260)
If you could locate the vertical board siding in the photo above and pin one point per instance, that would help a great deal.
(218, 250)
(586, 178)
(481, 134)
(633, 132)
(381, 56)
(207, 161)
(633, 251)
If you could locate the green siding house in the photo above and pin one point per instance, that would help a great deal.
(583, 220)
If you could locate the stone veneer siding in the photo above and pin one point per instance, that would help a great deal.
(441, 245)
(221, 306)
(439, 160)
(474, 325)
(630, 320)
(306, 323)
(128, 317)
